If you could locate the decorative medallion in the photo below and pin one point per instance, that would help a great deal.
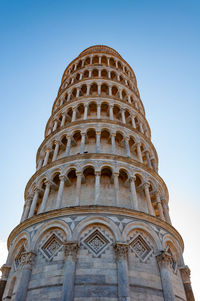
(51, 247)
(96, 242)
(141, 248)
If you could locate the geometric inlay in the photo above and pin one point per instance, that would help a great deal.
(96, 242)
(141, 248)
(18, 258)
(51, 247)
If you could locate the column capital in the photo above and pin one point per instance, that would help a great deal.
(113, 134)
(62, 178)
(71, 249)
(138, 143)
(30, 197)
(47, 148)
(37, 189)
(98, 132)
(69, 136)
(5, 269)
(146, 184)
(28, 259)
(133, 178)
(116, 174)
(97, 172)
(56, 142)
(78, 173)
(185, 274)
(121, 250)
(163, 258)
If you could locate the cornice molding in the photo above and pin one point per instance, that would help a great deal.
(92, 209)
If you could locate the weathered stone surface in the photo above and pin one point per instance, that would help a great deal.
(96, 211)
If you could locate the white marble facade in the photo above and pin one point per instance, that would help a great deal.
(96, 223)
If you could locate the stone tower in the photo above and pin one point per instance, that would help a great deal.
(96, 224)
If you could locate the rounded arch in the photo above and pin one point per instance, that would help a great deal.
(58, 224)
(56, 171)
(145, 228)
(170, 242)
(97, 220)
(24, 238)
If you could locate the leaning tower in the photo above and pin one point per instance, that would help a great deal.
(96, 224)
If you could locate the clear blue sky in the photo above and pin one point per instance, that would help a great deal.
(159, 39)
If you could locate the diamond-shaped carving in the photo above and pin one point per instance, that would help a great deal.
(51, 247)
(141, 248)
(96, 242)
(18, 258)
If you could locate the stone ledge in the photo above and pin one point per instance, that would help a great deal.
(92, 209)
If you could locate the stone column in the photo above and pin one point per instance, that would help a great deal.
(98, 111)
(148, 199)
(45, 196)
(153, 163)
(5, 269)
(111, 111)
(110, 90)
(27, 207)
(185, 275)
(39, 164)
(116, 184)
(62, 99)
(69, 96)
(123, 115)
(77, 92)
(166, 211)
(139, 153)
(69, 139)
(74, 114)
(34, 202)
(163, 260)
(127, 146)
(70, 249)
(46, 158)
(27, 264)
(60, 191)
(55, 125)
(85, 111)
(120, 94)
(78, 187)
(121, 250)
(113, 142)
(97, 186)
(98, 148)
(82, 143)
(88, 90)
(133, 122)
(160, 209)
(99, 89)
(63, 120)
(148, 159)
(55, 153)
(133, 193)
(141, 128)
